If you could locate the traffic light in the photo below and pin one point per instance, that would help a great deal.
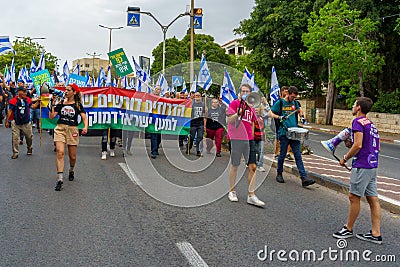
(198, 11)
(133, 9)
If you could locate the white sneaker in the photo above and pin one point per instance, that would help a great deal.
(261, 169)
(232, 196)
(112, 153)
(104, 155)
(255, 201)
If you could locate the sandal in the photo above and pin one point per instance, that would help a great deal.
(14, 156)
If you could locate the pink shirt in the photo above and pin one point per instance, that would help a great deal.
(244, 131)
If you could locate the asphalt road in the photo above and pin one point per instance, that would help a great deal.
(389, 156)
(107, 217)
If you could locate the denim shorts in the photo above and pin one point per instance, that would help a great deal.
(363, 182)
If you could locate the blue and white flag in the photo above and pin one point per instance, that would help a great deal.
(227, 92)
(143, 78)
(12, 71)
(108, 79)
(33, 66)
(93, 83)
(66, 72)
(114, 83)
(5, 45)
(162, 82)
(124, 82)
(248, 78)
(274, 93)
(193, 87)
(184, 90)
(77, 69)
(42, 63)
(87, 79)
(55, 76)
(101, 78)
(204, 78)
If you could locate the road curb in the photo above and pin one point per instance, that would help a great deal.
(335, 185)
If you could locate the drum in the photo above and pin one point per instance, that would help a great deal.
(297, 133)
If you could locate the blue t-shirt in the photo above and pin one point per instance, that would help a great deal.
(287, 108)
(367, 157)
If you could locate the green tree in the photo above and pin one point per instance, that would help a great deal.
(26, 49)
(348, 43)
(273, 34)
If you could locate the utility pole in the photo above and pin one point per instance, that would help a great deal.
(110, 29)
(93, 56)
(191, 41)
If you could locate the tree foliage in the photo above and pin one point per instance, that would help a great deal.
(338, 34)
(273, 34)
(26, 49)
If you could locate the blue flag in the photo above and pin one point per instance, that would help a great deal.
(227, 92)
(275, 89)
(5, 45)
(204, 77)
(42, 63)
(66, 72)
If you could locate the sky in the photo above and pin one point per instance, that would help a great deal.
(71, 27)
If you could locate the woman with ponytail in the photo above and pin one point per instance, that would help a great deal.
(66, 131)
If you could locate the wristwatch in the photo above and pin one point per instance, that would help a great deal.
(344, 158)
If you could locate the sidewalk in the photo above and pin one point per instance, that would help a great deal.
(384, 137)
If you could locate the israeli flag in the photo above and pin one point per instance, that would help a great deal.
(204, 78)
(227, 92)
(108, 79)
(114, 83)
(42, 63)
(184, 89)
(87, 79)
(162, 82)
(101, 78)
(124, 82)
(143, 78)
(33, 65)
(77, 69)
(275, 89)
(12, 71)
(66, 72)
(193, 87)
(248, 78)
(5, 45)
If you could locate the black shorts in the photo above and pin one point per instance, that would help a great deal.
(243, 147)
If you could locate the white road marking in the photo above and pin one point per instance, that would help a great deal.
(390, 191)
(130, 173)
(191, 254)
(389, 157)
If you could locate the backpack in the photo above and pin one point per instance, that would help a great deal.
(22, 112)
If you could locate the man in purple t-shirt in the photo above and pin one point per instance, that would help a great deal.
(241, 117)
(365, 151)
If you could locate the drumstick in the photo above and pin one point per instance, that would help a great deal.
(339, 161)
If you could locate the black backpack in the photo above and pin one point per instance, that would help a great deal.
(22, 112)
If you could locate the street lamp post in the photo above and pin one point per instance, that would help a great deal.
(93, 55)
(110, 29)
(164, 28)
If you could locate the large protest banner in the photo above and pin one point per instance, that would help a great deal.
(110, 107)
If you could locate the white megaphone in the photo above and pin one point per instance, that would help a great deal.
(331, 144)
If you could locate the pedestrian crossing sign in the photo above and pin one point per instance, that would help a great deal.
(177, 80)
(133, 19)
(198, 22)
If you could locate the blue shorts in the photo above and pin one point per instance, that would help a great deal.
(363, 182)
